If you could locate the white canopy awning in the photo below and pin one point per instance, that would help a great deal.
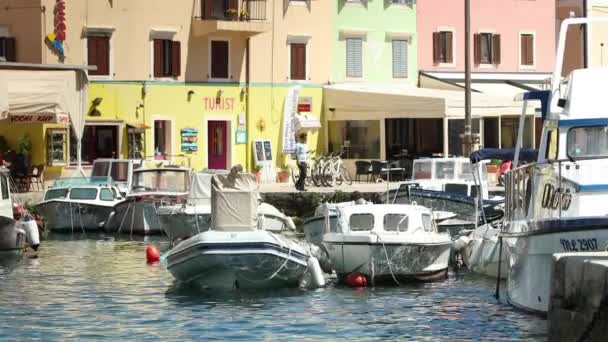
(306, 122)
(403, 100)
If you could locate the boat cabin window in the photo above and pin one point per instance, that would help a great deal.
(552, 144)
(100, 169)
(4, 187)
(394, 222)
(361, 222)
(588, 142)
(423, 170)
(427, 222)
(160, 180)
(106, 195)
(465, 172)
(444, 170)
(55, 194)
(83, 193)
(120, 171)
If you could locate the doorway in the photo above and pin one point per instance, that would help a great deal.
(217, 144)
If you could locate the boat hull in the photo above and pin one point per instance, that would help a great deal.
(182, 225)
(63, 216)
(531, 257)
(481, 254)
(12, 237)
(416, 261)
(238, 260)
(134, 217)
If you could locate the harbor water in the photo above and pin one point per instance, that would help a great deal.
(101, 288)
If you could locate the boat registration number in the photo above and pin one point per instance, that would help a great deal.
(579, 245)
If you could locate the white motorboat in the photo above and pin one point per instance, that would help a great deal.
(150, 188)
(182, 221)
(480, 251)
(235, 253)
(14, 235)
(557, 204)
(78, 204)
(394, 242)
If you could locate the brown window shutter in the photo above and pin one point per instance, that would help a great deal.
(11, 50)
(523, 56)
(298, 62)
(158, 58)
(449, 50)
(477, 48)
(496, 48)
(530, 49)
(92, 54)
(207, 6)
(176, 64)
(436, 47)
(219, 59)
(103, 55)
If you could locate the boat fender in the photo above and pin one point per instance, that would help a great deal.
(356, 280)
(32, 235)
(461, 243)
(315, 270)
(290, 224)
(152, 254)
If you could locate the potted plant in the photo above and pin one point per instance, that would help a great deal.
(258, 173)
(24, 147)
(232, 13)
(244, 15)
(283, 175)
(494, 166)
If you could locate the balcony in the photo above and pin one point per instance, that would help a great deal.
(248, 17)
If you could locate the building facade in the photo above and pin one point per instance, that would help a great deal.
(197, 79)
(512, 50)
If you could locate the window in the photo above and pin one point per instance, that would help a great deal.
(423, 170)
(55, 194)
(8, 49)
(526, 49)
(167, 58)
(456, 136)
(98, 54)
(98, 141)
(588, 142)
(400, 58)
(162, 139)
(443, 51)
(354, 51)
(57, 149)
(118, 171)
(427, 222)
(4, 186)
(298, 61)
(360, 139)
(394, 222)
(487, 48)
(402, 2)
(219, 59)
(160, 180)
(552, 144)
(106, 195)
(83, 193)
(361, 222)
(444, 169)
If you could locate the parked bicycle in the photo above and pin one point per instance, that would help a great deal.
(334, 172)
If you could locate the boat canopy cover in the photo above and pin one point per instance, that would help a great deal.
(505, 154)
(234, 202)
(200, 188)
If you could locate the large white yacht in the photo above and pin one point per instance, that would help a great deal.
(558, 203)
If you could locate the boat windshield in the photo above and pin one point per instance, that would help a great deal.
(588, 142)
(118, 170)
(427, 222)
(422, 170)
(55, 194)
(465, 172)
(160, 180)
(361, 222)
(444, 169)
(394, 222)
(83, 193)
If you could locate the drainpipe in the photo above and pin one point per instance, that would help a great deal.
(247, 114)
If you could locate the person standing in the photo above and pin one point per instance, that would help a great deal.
(302, 160)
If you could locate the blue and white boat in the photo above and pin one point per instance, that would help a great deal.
(557, 204)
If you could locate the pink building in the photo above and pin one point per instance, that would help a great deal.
(512, 51)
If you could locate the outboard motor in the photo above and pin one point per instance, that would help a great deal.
(32, 234)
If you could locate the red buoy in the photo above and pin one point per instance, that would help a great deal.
(152, 254)
(356, 280)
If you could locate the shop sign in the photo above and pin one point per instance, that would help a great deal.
(217, 103)
(241, 137)
(58, 37)
(189, 139)
(305, 104)
(40, 118)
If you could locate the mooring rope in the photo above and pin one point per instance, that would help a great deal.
(387, 259)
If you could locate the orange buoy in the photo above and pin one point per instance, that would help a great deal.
(152, 254)
(356, 280)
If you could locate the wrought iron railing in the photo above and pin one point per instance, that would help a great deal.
(233, 10)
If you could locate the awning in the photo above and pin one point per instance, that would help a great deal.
(406, 101)
(306, 122)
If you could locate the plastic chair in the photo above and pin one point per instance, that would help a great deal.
(35, 176)
(377, 169)
(362, 168)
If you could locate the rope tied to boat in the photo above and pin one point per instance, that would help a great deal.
(390, 268)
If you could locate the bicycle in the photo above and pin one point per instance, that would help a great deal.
(334, 173)
(295, 171)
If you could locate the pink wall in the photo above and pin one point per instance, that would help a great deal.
(505, 17)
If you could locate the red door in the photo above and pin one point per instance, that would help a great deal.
(217, 149)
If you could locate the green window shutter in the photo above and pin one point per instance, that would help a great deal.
(354, 51)
(399, 58)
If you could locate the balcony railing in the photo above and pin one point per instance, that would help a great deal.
(233, 10)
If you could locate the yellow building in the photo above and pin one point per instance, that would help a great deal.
(196, 78)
